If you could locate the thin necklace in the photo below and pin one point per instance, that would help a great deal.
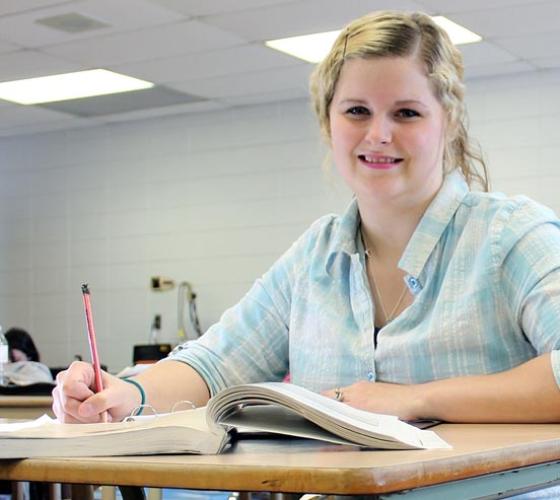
(391, 316)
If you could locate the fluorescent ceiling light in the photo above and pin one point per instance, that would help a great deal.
(69, 86)
(313, 48)
(456, 32)
(310, 48)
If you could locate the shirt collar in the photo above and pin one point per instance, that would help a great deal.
(344, 235)
(433, 223)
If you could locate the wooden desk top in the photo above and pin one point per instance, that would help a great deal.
(25, 401)
(290, 465)
(25, 407)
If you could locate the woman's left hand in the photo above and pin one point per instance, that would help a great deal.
(403, 401)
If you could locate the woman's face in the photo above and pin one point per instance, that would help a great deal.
(18, 355)
(387, 131)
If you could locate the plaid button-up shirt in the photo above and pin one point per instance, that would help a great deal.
(484, 270)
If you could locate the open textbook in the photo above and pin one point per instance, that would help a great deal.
(271, 407)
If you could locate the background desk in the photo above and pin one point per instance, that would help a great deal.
(481, 453)
(24, 407)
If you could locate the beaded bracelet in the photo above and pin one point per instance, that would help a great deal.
(142, 393)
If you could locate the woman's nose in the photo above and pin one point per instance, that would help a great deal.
(379, 131)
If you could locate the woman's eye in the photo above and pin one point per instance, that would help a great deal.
(357, 111)
(407, 113)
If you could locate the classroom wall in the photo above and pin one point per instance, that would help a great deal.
(211, 198)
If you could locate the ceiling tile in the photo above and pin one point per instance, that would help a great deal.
(477, 54)
(121, 16)
(498, 69)
(31, 63)
(17, 115)
(122, 102)
(273, 80)
(547, 62)
(281, 95)
(536, 46)
(6, 104)
(161, 41)
(46, 126)
(194, 107)
(297, 18)
(445, 6)
(204, 7)
(517, 19)
(18, 6)
(505, 84)
(208, 65)
(8, 47)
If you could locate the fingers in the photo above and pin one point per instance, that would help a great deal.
(338, 394)
(119, 398)
(94, 408)
(72, 395)
(66, 409)
(74, 400)
(76, 381)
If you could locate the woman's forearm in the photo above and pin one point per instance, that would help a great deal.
(170, 382)
(526, 393)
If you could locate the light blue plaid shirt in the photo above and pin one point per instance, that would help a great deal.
(484, 270)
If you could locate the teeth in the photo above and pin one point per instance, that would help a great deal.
(379, 159)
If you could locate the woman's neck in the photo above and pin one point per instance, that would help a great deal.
(386, 230)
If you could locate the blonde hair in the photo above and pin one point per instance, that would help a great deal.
(403, 34)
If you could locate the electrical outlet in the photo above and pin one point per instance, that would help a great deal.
(161, 284)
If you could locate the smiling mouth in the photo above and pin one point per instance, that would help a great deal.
(380, 160)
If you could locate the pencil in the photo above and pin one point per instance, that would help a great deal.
(93, 344)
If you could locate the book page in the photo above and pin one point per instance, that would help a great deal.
(278, 420)
(347, 423)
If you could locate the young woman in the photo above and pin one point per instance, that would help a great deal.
(423, 300)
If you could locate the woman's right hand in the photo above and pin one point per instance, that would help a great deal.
(76, 402)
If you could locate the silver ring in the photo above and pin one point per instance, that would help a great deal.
(338, 394)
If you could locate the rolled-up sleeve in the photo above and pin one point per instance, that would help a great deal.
(250, 342)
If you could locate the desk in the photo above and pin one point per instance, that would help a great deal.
(21, 408)
(25, 407)
(483, 455)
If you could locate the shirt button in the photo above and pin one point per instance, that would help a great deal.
(413, 284)
(370, 377)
